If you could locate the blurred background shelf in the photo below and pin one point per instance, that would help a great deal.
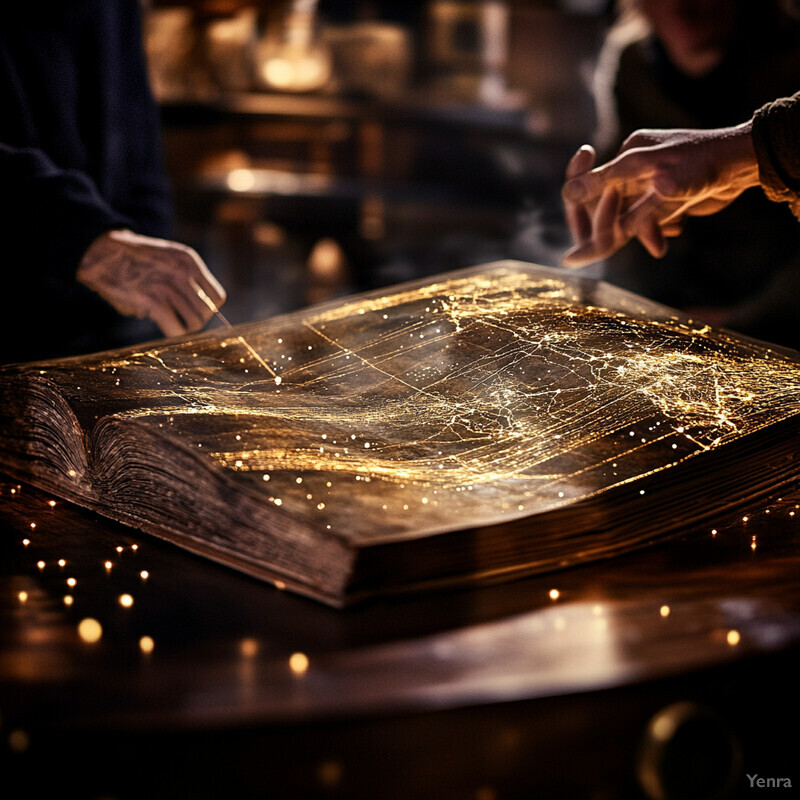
(437, 140)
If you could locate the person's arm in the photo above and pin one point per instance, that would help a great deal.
(658, 178)
(129, 116)
(58, 219)
(776, 138)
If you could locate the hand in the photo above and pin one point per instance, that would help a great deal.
(658, 178)
(145, 277)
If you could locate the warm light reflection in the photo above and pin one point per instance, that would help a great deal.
(733, 638)
(126, 600)
(146, 644)
(295, 74)
(90, 630)
(248, 648)
(664, 611)
(298, 663)
(329, 773)
(19, 741)
(241, 180)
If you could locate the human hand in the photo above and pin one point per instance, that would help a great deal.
(145, 277)
(658, 178)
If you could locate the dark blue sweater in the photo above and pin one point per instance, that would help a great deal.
(80, 153)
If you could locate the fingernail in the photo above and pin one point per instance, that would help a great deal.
(572, 258)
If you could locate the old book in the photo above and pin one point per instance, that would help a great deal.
(488, 423)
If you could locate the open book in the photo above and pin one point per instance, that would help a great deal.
(491, 422)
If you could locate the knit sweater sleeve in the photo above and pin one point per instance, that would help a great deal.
(776, 138)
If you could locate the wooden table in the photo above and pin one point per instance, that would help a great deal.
(205, 683)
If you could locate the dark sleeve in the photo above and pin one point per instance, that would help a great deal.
(776, 138)
(148, 197)
(131, 144)
(51, 215)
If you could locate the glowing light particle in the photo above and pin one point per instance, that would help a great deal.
(90, 630)
(329, 773)
(298, 663)
(664, 611)
(18, 741)
(146, 644)
(248, 648)
(733, 638)
(71, 582)
(144, 574)
(554, 594)
(22, 596)
(125, 600)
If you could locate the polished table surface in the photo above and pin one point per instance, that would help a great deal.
(225, 687)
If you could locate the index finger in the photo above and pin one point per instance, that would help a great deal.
(625, 168)
(203, 278)
(577, 216)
